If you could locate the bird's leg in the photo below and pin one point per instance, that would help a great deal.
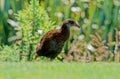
(36, 57)
(51, 59)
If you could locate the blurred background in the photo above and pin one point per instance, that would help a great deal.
(24, 22)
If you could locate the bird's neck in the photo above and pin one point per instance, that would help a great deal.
(65, 30)
(65, 27)
(63, 34)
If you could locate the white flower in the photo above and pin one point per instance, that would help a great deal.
(10, 11)
(59, 15)
(75, 9)
(81, 37)
(94, 26)
(86, 21)
(40, 31)
(90, 47)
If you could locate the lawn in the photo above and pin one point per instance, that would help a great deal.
(59, 70)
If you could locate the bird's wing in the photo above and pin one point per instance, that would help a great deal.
(45, 43)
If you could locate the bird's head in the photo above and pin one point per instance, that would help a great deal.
(70, 22)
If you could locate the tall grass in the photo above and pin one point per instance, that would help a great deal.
(6, 12)
(101, 16)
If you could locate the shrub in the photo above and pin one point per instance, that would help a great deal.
(9, 53)
(32, 19)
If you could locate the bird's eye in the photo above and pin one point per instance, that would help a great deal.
(71, 22)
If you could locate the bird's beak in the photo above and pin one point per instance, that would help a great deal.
(77, 25)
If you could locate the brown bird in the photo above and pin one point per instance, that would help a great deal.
(52, 42)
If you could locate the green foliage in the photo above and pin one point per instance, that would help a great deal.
(7, 8)
(32, 19)
(9, 53)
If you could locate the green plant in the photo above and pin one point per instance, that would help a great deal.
(32, 19)
(9, 53)
(7, 8)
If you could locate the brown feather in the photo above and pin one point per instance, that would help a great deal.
(52, 42)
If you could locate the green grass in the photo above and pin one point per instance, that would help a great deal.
(58, 70)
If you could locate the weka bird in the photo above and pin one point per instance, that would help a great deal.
(52, 42)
